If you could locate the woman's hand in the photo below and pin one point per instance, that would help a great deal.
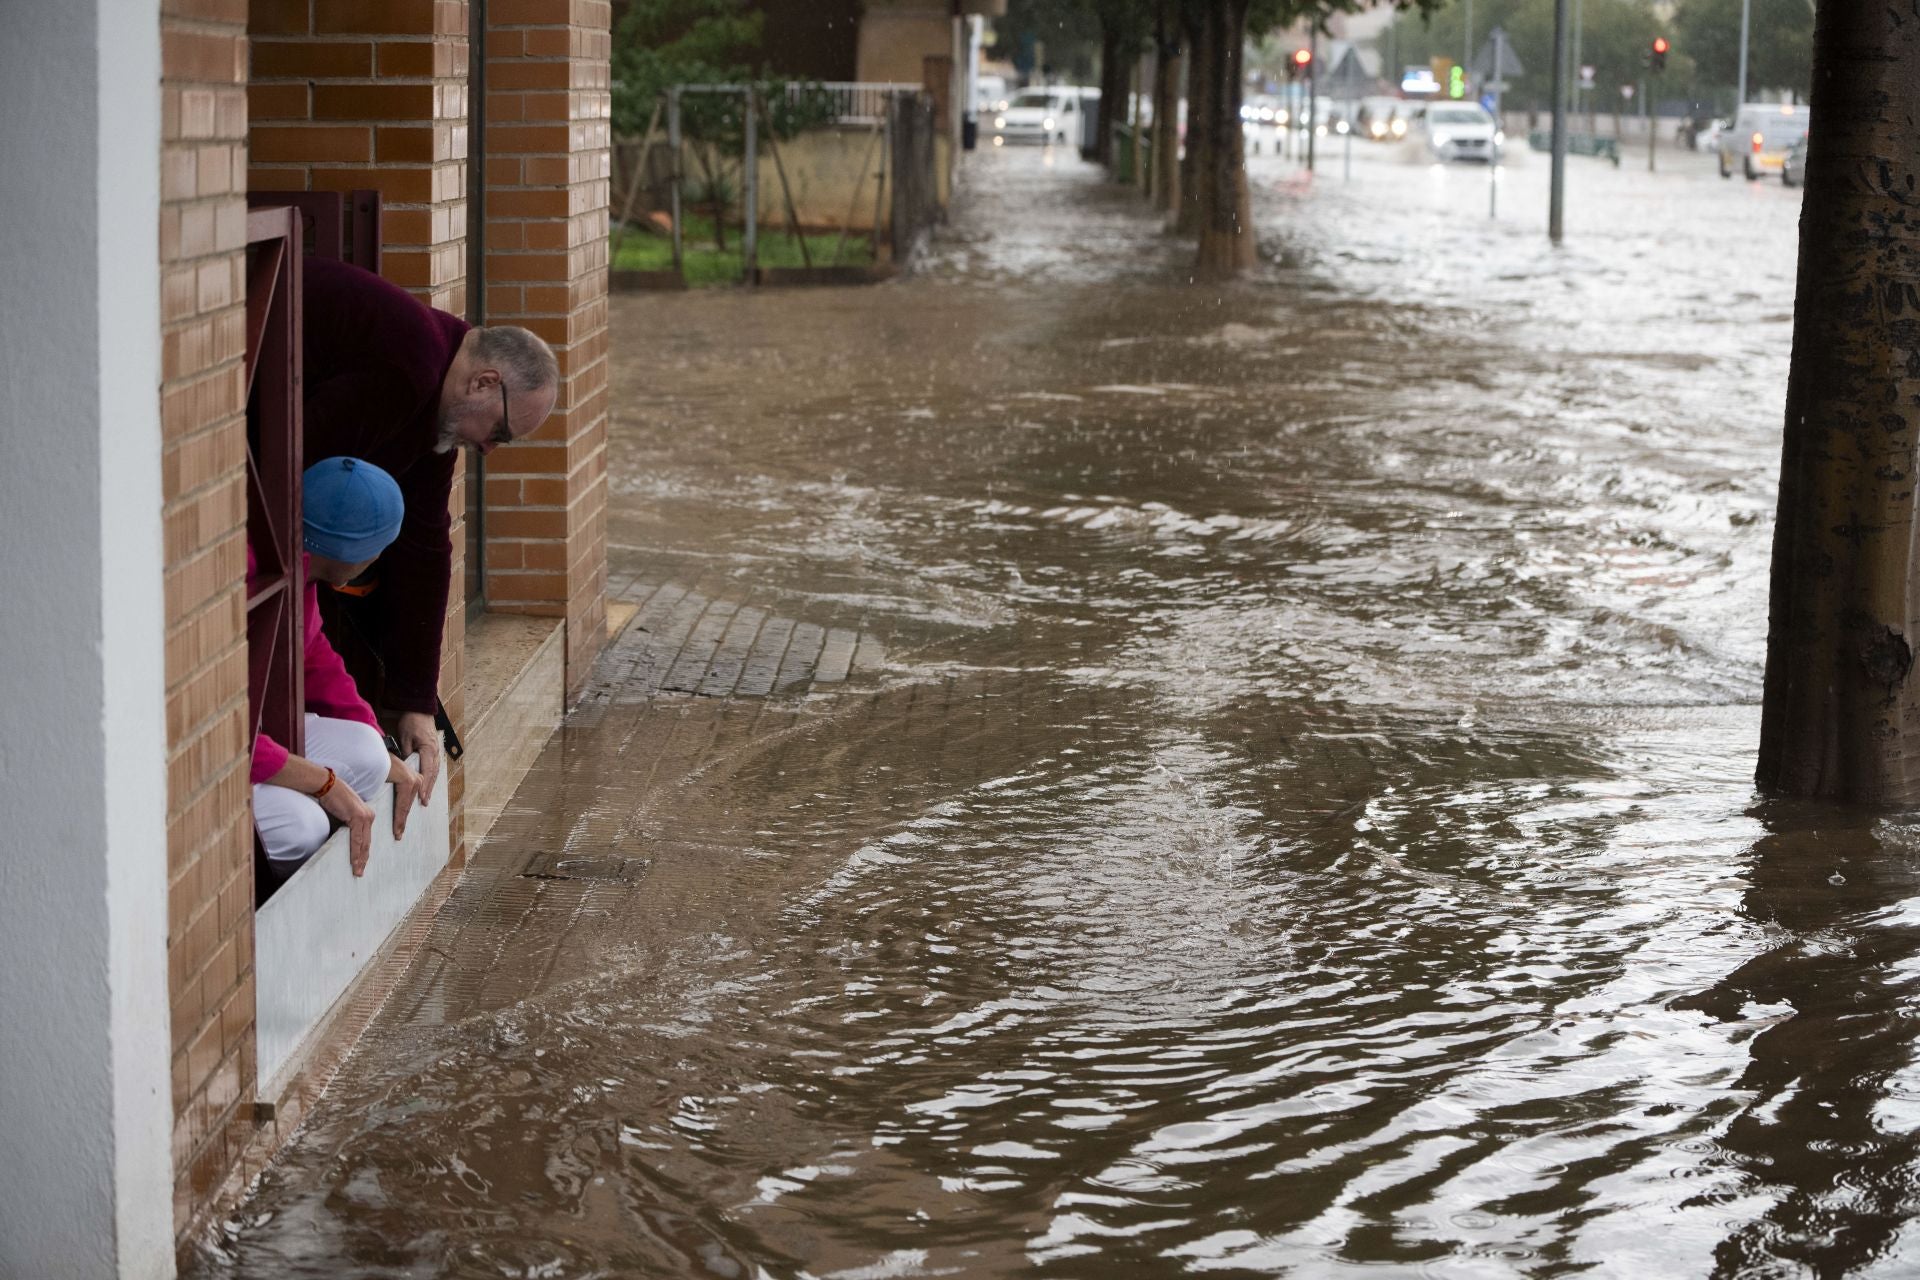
(408, 786)
(356, 815)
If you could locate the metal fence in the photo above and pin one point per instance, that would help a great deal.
(854, 102)
(870, 185)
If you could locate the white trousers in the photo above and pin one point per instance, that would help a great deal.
(292, 825)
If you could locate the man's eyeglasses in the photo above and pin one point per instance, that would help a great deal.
(502, 434)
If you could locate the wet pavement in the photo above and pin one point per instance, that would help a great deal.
(1112, 776)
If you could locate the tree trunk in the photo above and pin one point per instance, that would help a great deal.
(1841, 713)
(1166, 112)
(1226, 225)
(1111, 92)
(1189, 208)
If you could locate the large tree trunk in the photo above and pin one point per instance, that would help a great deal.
(1841, 717)
(1190, 208)
(1166, 111)
(1226, 225)
(1112, 92)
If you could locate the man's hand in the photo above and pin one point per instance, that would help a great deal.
(417, 732)
(408, 786)
(356, 815)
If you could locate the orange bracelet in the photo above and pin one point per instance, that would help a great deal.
(326, 786)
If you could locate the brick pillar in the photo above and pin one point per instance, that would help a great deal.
(373, 93)
(203, 403)
(548, 183)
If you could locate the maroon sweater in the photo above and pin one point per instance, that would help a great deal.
(375, 359)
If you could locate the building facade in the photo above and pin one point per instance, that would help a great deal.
(139, 131)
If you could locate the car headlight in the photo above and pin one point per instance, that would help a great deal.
(1279, 117)
(1442, 139)
(1399, 128)
(1340, 127)
(1377, 129)
(999, 122)
(1499, 137)
(1047, 123)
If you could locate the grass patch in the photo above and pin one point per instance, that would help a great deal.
(645, 250)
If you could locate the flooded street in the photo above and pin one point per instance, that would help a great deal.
(1116, 777)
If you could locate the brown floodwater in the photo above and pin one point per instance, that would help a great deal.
(1119, 777)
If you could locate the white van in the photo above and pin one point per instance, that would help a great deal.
(1760, 137)
(1047, 115)
(989, 95)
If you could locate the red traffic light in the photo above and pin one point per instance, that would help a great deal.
(1301, 57)
(1660, 44)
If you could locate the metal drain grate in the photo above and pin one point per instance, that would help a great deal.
(546, 866)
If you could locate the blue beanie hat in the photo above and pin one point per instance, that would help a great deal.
(351, 509)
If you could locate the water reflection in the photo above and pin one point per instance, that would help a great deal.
(1825, 1147)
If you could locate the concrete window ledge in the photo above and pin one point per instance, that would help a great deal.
(324, 926)
(516, 693)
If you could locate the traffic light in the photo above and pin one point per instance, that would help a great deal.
(1457, 81)
(1302, 62)
(1657, 60)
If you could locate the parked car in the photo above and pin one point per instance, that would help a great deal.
(1761, 136)
(1046, 115)
(1702, 133)
(1456, 131)
(1793, 170)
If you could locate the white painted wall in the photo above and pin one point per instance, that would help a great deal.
(85, 1104)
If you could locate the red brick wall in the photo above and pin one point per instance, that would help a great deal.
(548, 182)
(209, 832)
(370, 93)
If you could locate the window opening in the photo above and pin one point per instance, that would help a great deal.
(275, 627)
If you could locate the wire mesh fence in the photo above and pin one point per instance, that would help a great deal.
(742, 183)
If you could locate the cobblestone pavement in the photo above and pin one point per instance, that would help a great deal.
(1110, 775)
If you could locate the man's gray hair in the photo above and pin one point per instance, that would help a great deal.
(525, 361)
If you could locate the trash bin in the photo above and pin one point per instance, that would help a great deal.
(969, 133)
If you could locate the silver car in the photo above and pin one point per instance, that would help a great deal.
(1458, 131)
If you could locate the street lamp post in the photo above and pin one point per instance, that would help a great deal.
(1313, 93)
(1557, 195)
(1746, 14)
(1579, 29)
(1466, 59)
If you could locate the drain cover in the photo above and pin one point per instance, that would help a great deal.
(547, 866)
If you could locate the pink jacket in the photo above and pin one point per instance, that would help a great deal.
(330, 690)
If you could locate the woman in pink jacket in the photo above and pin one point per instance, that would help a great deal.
(351, 510)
